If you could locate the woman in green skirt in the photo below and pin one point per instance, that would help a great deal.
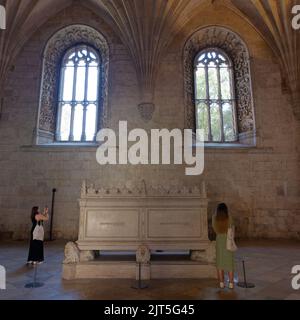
(225, 259)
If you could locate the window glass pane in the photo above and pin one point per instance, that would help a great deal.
(212, 64)
(202, 118)
(94, 64)
(65, 122)
(92, 55)
(225, 83)
(215, 122)
(228, 122)
(222, 60)
(90, 126)
(83, 52)
(78, 120)
(79, 62)
(80, 81)
(92, 93)
(68, 84)
(202, 60)
(200, 84)
(221, 93)
(71, 57)
(213, 83)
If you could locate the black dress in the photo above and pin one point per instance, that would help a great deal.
(36, 248)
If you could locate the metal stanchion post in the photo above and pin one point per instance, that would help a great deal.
(52, 214)
(139, 284)
(245, 284)
(34, 284)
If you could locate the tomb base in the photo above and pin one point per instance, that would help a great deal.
(120, 268)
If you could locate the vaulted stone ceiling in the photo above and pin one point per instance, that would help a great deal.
(23, 18)
(273, 19)
(148, 26)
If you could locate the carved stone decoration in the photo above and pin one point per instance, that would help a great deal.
(87, 255)
(53, 53)
(279, 39)
(197, 255)
(83, 188)
(143, 254)
(146, 111)
(71, 253)
(234, 46)
(91, 189)
(140, 189)
(147, 28)
(208, 255)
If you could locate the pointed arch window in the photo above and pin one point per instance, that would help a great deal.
(215, 103)
(78, 100)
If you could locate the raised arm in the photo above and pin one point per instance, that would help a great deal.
(42, 217)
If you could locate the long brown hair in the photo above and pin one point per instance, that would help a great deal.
(34, 211)
(221, 218)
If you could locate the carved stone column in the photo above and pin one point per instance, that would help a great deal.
(143, 256)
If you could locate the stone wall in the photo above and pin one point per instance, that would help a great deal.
(260, 185)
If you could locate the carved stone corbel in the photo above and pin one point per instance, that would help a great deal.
(146, 111)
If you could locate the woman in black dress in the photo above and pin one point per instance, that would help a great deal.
(36, 249)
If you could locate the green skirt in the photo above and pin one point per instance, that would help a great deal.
(224, 257)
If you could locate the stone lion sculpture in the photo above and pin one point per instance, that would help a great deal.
(72, 253)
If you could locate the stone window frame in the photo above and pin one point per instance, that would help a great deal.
(220, 100)
(73, 102)
(56, 47)
(231, 43)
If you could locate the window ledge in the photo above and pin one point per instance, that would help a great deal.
(68, 144)
(60, 147)
(216, 145)
(235, 148)
(212, 145)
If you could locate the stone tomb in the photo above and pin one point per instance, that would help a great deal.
(168, 220)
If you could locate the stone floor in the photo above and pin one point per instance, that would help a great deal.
(269, 265)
